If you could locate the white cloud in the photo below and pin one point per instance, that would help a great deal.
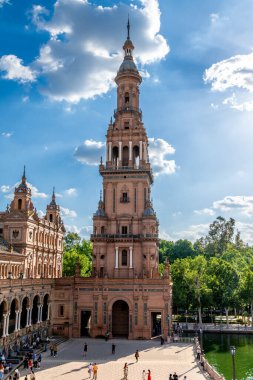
(7, 134)
(66, 212)
(41, 213)
(2, 2)
(205, 211)
(10, 189)
(25, 99)
(5, 188)
(35, 191)
(246, 230)
(89, 152)
(71, 192)
(240, 203)
(192, 233)
(84, 231)
(159, 149)
(233, 73)
(83, 53)
(214, 17)
(14, 69)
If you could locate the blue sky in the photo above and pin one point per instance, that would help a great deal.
(57, 64)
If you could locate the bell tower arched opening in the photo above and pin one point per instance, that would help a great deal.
(120, 319)
(125, 156)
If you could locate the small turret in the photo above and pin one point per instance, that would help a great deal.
(53, 210)
(22, 196)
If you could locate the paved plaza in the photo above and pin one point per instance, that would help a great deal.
(161, 360)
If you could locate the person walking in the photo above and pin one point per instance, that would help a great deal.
(90, 370)
(143, 375)
(170, 377)
(55, 350)
(125, 371)
(32, 376)
(137, 355)
(95, 371)
(175, 376)
(52, 350)
(185, 378)
(113, 349)
(149, 375)
(85, 349)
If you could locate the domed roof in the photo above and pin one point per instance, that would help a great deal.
(128, 64)
(149, 212)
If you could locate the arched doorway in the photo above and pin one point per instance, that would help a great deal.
(120, 319)
(35, 310)
(23, 319)
(3, 310)
(125, 156)
(45, 307)
(12, 317)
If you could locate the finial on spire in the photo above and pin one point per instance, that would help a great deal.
(23, 176)
(111, 120)
(53, 195)
(128, 29)
(100, 195)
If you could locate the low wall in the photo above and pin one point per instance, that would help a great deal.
(204, 363)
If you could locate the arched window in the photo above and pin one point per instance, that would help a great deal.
(102, 230)
(136, 155)
(127, 98)
(115, 155)
(124, 257)
(51, 217)
(20, 204)
(125, 156)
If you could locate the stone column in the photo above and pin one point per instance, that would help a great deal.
(38, 319)
(120, 152)
(140, 150)
(116, 257)
(131, 257)
(110, 151)
(130, 151)
(16, 320)
(30, 317)
(4, 327)
(145, 151)
(27, 316)
(41, 308)
(19, 318)
(48, 312)
(7, 324)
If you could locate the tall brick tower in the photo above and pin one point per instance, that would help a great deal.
(125, 235)
(125, 295)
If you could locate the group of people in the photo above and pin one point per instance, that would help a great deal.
(175, 376)
(93, 371)
(32, 360)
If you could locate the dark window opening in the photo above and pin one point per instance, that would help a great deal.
(124, 257)
(126, 98)
(124, 230)
(19, 204)
(1, 231)
(102, 230)
(124, 198)
(50, 217)
(126, 125)
(125, 156)
(61, 311)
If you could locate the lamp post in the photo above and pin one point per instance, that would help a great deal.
(232, 350)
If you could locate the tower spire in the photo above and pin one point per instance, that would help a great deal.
(24, 177)
(128, 29)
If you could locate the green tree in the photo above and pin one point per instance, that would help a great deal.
(246, 289)
(221, 233)
(77, 251)
(224, 280)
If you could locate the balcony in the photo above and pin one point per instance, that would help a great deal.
(124, 200)
(128, 108)
(124, 236)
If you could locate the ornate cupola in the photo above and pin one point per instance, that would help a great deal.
(53, 210)
(22, 197)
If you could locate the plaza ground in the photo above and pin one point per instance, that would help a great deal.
(161, 360)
